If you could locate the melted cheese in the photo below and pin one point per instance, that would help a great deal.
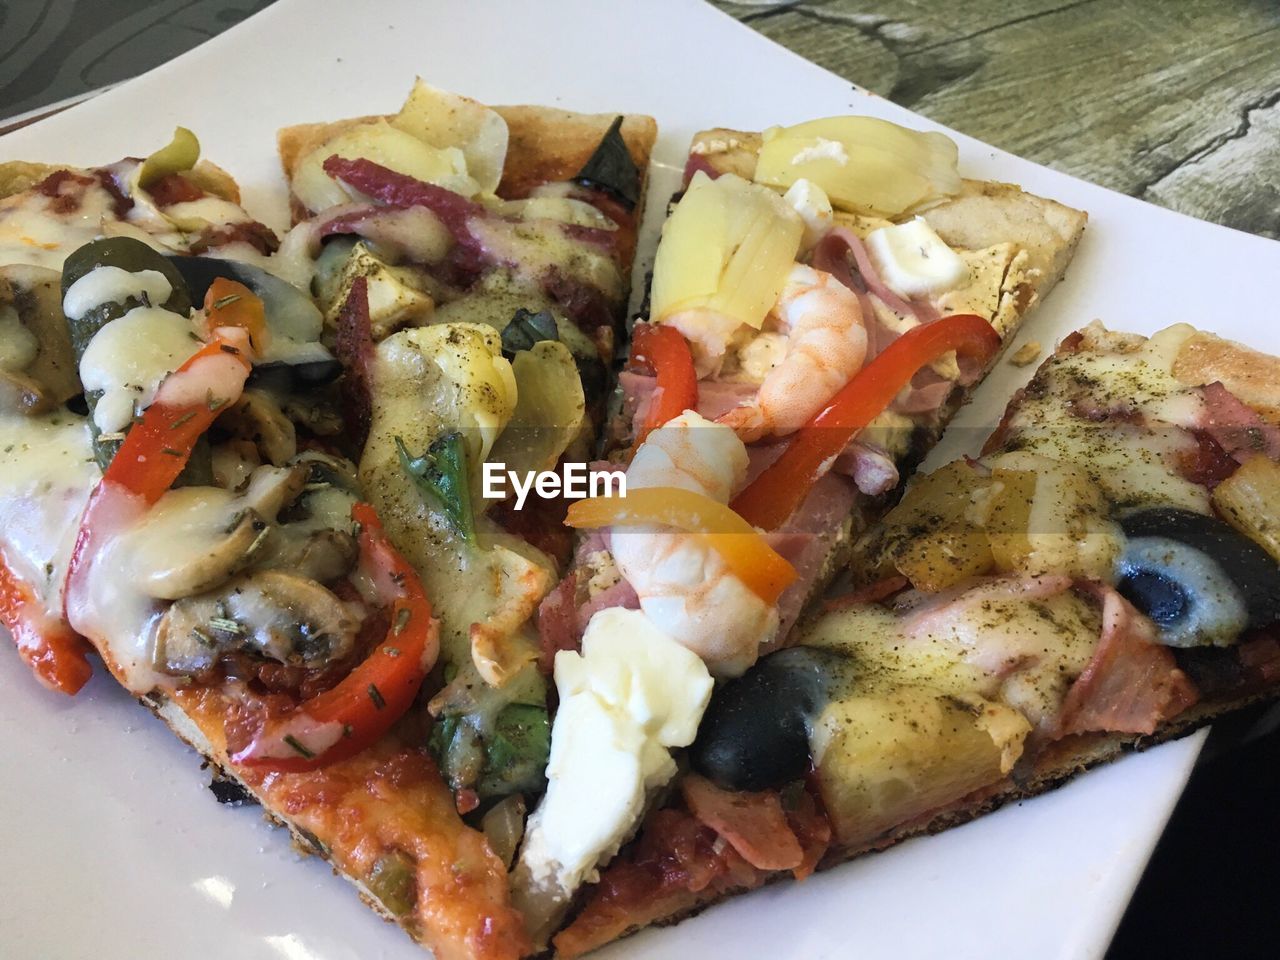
(109, 284)
(33, 231)
(128, 358)
(46, 472)
(1133, 463)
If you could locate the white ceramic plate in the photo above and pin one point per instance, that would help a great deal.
(112, 846)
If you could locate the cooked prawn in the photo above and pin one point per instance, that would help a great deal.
(825, 345)
(684, 586)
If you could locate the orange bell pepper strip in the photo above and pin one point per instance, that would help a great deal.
(229, 303)
(744, 551)
(56, 654)
(775, 494)
(346, 719)
(665, 351)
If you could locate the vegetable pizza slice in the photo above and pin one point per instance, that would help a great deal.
(1105, 576)
(249, 484)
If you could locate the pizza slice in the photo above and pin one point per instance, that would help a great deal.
(286, 555)
(824, 298)
(1104, 577)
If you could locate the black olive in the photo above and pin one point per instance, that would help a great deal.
(612, 169)
(283, 377)
(1196, 577)
(755, 733)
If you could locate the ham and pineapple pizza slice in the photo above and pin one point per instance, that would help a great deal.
(812, 325)
(1106, 575)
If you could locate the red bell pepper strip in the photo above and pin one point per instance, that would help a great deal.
(343, 721)
(666, 352)
(773, 496)
(158, 447)
(55, 652)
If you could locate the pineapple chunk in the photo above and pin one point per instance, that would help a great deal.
(930, 537)
(726, 250)
(1046, 516)
(1249, 500)
(865, 165)
(885, 757)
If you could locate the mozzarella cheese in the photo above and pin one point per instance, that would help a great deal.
(33, 230)
(46, 472)
(811, 202)
(631, 695)
(1134, 464)
(914, 261)
(129, 357)
(109, 284)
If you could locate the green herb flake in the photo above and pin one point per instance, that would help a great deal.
(226, 625)
(403, 616)
(226, 301)
(293, 741)
(527, 328)
(376, 696)
(185, 418)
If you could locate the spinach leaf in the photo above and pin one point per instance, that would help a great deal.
(611, 168)
(441, 474)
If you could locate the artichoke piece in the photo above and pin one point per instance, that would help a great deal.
(865, 165)
(726, 249)
(550, 407)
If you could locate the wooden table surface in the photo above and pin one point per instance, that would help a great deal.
(1173, 101)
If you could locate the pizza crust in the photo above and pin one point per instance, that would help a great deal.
(546, 144)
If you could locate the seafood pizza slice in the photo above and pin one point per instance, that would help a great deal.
(1105, 576)
(824, 297)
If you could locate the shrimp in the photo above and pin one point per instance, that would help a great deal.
(684, 586)
(826, 344)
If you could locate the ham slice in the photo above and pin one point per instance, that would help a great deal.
(1132, 684)
(754, 824)
(1236, 426)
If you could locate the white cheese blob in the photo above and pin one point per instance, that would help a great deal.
(129, 357)
(821, 149)
(114, 285)
(811, 202)
(626, 700)
(913, 260)
(18, 345)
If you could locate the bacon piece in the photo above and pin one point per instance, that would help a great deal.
(174, 188)
(754, 824)
(1132, 684)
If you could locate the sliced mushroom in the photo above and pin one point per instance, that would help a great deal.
(315, 536)
(194, 539)
(275, 615)
(271, 489)
(257, 416)
(20, 393)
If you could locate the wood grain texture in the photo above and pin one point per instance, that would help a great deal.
(1174, 101)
